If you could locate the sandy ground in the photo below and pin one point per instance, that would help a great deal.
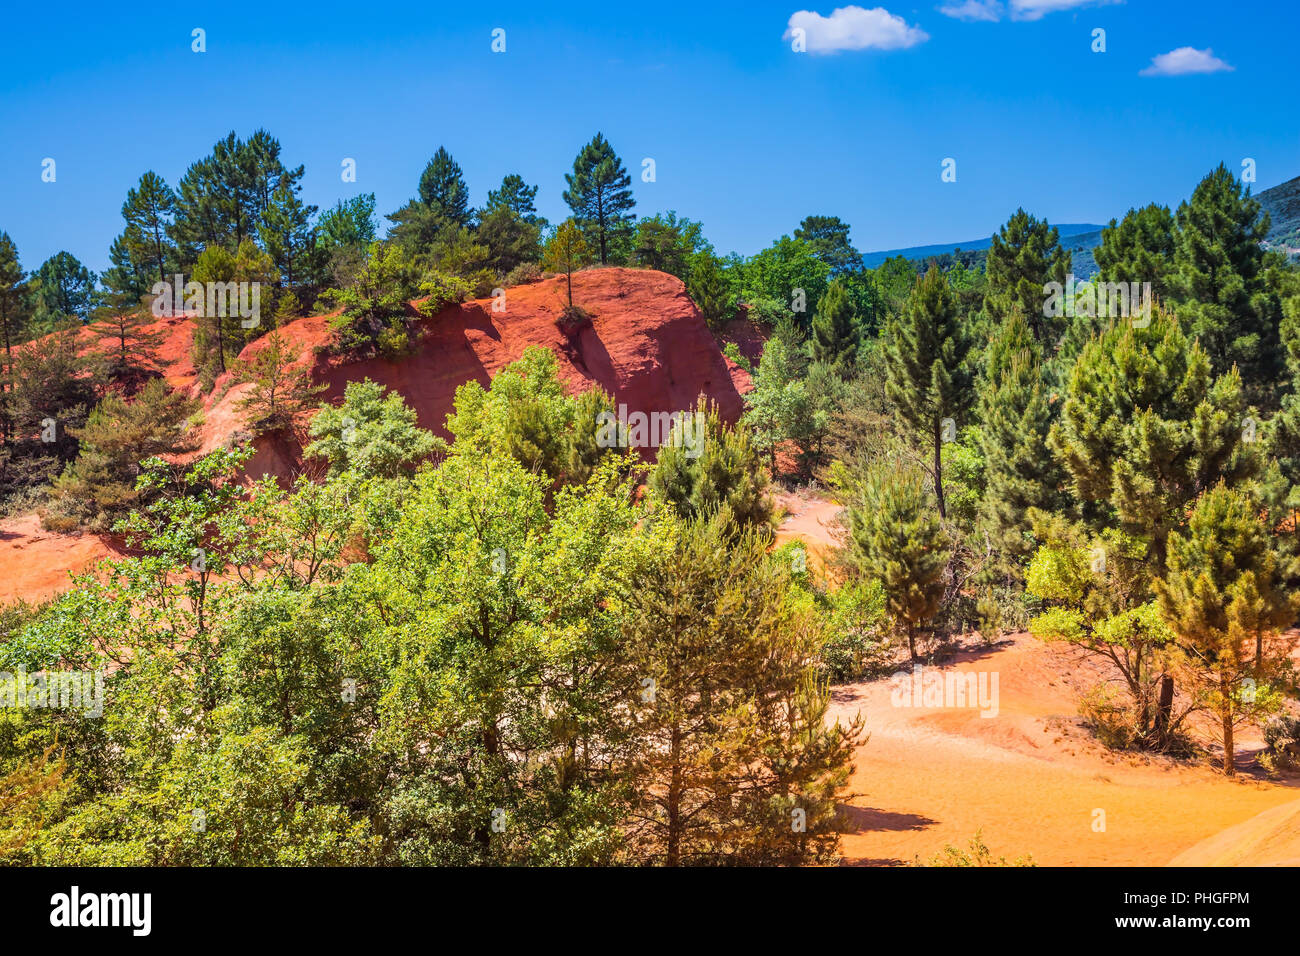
(1031, 778)
(1036, 783)
(35, 564)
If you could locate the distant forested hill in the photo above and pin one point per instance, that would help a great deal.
(1283, 204)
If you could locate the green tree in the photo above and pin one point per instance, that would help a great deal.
(15, 314)
(708, 288)
(1145, 429)
(1015, 419)
(527, 414)
(350, 223)
(1220, 289)
(281, 391)
(509, 238)
(377, 300)
(1140, 248)
(149, 212)
(119, 435)
(517, 196)
(1222, 599)
(706, 465)
(64, 289)
(829, 238)
(1025, 256)
(566, 251)
(371, 434)
(735, 762)
(600, 197)
(288, 236)
(895, 537)
(927, 376)
(670, 244)
(834, 330)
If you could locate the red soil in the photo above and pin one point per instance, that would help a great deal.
(646, 345)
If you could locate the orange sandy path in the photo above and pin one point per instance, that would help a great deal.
(928, 777)
(34, 563)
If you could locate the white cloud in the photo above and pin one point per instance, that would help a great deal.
(1185, 60)
(989, 10)
(1037, 9)
(853, 28)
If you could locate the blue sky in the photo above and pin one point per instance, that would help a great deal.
(747, 135)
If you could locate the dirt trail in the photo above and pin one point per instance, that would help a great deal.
(1034, 781)
(35, 564)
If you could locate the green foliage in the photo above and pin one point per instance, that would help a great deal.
(63, 289)
(708, 287)
(834, 330)
(1222, 598)
(1144, 429)
(928, 378)
(517, 196)
(712, 467)
(601, 199)
(1220, 287)
(672, 245)
(895, 537)
(377, 300)
(789, 271)
(1015, 419)
(349, 224)
(566, 251)
(1026, 254)
(829, 238)
(100, 486)
(527, 415)
(736, 761)
(1140, 248)
(976, 854)
(371, 434)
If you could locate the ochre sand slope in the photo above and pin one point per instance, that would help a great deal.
(1033, 780)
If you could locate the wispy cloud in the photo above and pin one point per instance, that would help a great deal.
(1185, 60)
(992, 10)
(987, 10)
(853, 28)
(1037, 9)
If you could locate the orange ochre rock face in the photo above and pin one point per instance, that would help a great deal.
(647, 345)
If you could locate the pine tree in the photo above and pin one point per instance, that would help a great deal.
(1222, 599)
(349, 224)
(281, 391)
(708, 288)
(834, 330)
(733, 760)
(712, 466)
(443, 189)
(896, 538)
(1140, 248)
(1014, 420)
(118, 436)
(149, 212)
(600, 197)
(128, 277)
(64, 289)
(565, 252)
(829, 238)
(1145, 429)
(927, 377)
(1026, 254)
(288, 237)
(15, 314)
(1220, 289)
(517, 196)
